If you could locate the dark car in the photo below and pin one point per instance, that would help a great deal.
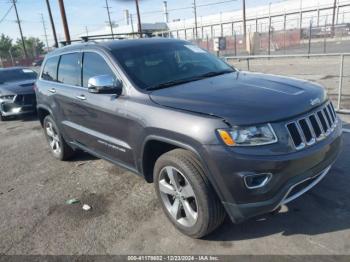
(212, 139)
(38, 62)
(17, 95)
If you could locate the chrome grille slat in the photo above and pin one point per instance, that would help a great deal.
(329, 109)
(319, 124)
(314, 127)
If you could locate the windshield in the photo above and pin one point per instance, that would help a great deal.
(13, 75)
(154, 66)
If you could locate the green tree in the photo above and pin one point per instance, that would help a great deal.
(5, 46)
(34, 46)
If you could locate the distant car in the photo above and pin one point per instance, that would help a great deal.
(17, 94)
(38, 62)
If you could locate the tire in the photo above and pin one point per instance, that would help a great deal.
(58, 146)
(197, 215)
(2, 118)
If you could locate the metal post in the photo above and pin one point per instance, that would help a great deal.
(64, 21)
(195, 18)
(207, 43)
(244, 26)
(269, 43)
(12, 61)
(325, 37)
(52, 23)
(166, 14)
(333, 17)
(235, 40)
(284, 32)
(132, 25)
(340, 81)
(318, 17)
(256, 25)
(248, 65)
(310, 34)
(301, 18)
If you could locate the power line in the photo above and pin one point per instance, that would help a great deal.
(6, 14)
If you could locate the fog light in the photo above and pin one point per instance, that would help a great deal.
(253, 181)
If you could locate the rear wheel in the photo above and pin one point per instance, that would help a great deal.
(186, 195)
(58, 146)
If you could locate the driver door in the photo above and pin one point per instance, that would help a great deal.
(101, 122)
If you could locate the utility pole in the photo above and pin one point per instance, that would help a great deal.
(52, 23)
(166, 14)
(87, 31)
(244, 27)
(138, 18)
(45, 34)
(195, 19)
(64, 21)
(109, 19)
(333, 17)
(20, 30)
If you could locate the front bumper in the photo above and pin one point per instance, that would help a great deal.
(21, 104)
(293, 174)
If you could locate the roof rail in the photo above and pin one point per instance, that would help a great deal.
(93, 38)
(107, 36)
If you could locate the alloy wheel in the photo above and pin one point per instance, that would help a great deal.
(53, 138)
(178, 196)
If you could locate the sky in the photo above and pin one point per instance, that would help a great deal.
(92, 14)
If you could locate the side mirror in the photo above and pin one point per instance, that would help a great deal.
(105, 84)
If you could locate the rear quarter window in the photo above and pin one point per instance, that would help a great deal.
(50, 69)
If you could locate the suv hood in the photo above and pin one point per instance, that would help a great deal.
(243, 98)
(17, 88)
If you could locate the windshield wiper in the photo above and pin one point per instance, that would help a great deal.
(172, 83)
(216, 73)
(186, 80)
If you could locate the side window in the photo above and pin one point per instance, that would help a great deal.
(50, 69)
(69, 71)
(94, 65)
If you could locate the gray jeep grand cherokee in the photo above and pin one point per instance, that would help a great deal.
(212, 139)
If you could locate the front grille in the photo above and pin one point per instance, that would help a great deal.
(308, 130)
(25, 99)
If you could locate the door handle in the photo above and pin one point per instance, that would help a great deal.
(52, 90)
(81, 97)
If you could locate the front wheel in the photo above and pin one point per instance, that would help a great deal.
(2, 118)
(186, 195)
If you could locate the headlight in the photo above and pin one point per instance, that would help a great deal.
(248, 136)
(7, 97)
